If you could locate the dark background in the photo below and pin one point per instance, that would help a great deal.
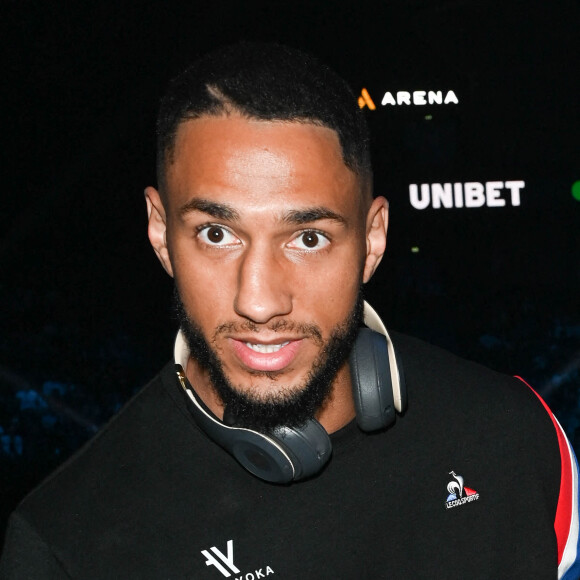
(85, 317)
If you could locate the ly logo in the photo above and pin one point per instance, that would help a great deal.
(228, 559)
(225, 563)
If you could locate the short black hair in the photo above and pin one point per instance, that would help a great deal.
(268, 82)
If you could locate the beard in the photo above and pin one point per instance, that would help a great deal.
(291, 406)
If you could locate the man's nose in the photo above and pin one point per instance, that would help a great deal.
(264, 290)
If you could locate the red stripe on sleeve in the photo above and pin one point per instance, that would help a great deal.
(563, 518)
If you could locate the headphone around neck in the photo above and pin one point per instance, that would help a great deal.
(289, 454)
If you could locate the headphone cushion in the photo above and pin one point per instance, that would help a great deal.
(371, 381)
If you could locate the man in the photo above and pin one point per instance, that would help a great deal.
(264, 217)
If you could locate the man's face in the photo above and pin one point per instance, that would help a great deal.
(268, 238)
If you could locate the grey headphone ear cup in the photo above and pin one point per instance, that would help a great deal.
(371, 381)
(286, 455)
(258, 453)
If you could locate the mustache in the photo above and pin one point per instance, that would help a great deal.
(308, 330)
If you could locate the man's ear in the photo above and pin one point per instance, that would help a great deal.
(376, 235)
(157, 228)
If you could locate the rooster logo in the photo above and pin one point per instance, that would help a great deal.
(457, 491)
(455, 488)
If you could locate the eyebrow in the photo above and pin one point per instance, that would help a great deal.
(217, 210)
(311, 214)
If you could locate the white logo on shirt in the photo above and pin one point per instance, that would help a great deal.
(226, 566)
(227, 560)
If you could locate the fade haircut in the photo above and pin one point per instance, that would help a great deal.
(268, 82)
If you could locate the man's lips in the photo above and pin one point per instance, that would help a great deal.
(266, 356)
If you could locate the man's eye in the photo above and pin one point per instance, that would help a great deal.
(309, 240)
(218, 236)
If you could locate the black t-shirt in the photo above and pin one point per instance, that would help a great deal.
(465, 485)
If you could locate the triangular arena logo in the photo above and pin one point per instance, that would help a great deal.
(459, 494)
(365, 100)
(408, 98)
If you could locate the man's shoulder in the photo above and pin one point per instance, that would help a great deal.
(445, 375)
(121, 488)
(495, 431)
(460, 398)
(116, 452)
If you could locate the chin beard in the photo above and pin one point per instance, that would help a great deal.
(292, 406)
